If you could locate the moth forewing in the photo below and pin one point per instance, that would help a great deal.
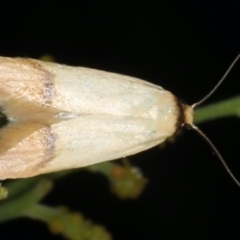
(69, 117)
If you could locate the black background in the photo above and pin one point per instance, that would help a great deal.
(184, 46)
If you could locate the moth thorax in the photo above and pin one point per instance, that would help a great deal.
(188, 114)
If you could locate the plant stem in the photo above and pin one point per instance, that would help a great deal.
(17, 207)
(225, 108)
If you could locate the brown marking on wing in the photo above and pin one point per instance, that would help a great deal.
(24, 146)
(26, 78)
(26, 93)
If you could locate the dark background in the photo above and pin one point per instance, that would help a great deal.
(184, 46)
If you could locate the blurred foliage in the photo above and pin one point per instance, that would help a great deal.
(25, 196)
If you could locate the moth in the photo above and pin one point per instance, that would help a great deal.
(63, 117)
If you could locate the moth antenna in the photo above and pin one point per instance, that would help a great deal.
(218, 84)
(189, 123)
(216, 152)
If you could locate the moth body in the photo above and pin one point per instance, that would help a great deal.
(63, 117)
